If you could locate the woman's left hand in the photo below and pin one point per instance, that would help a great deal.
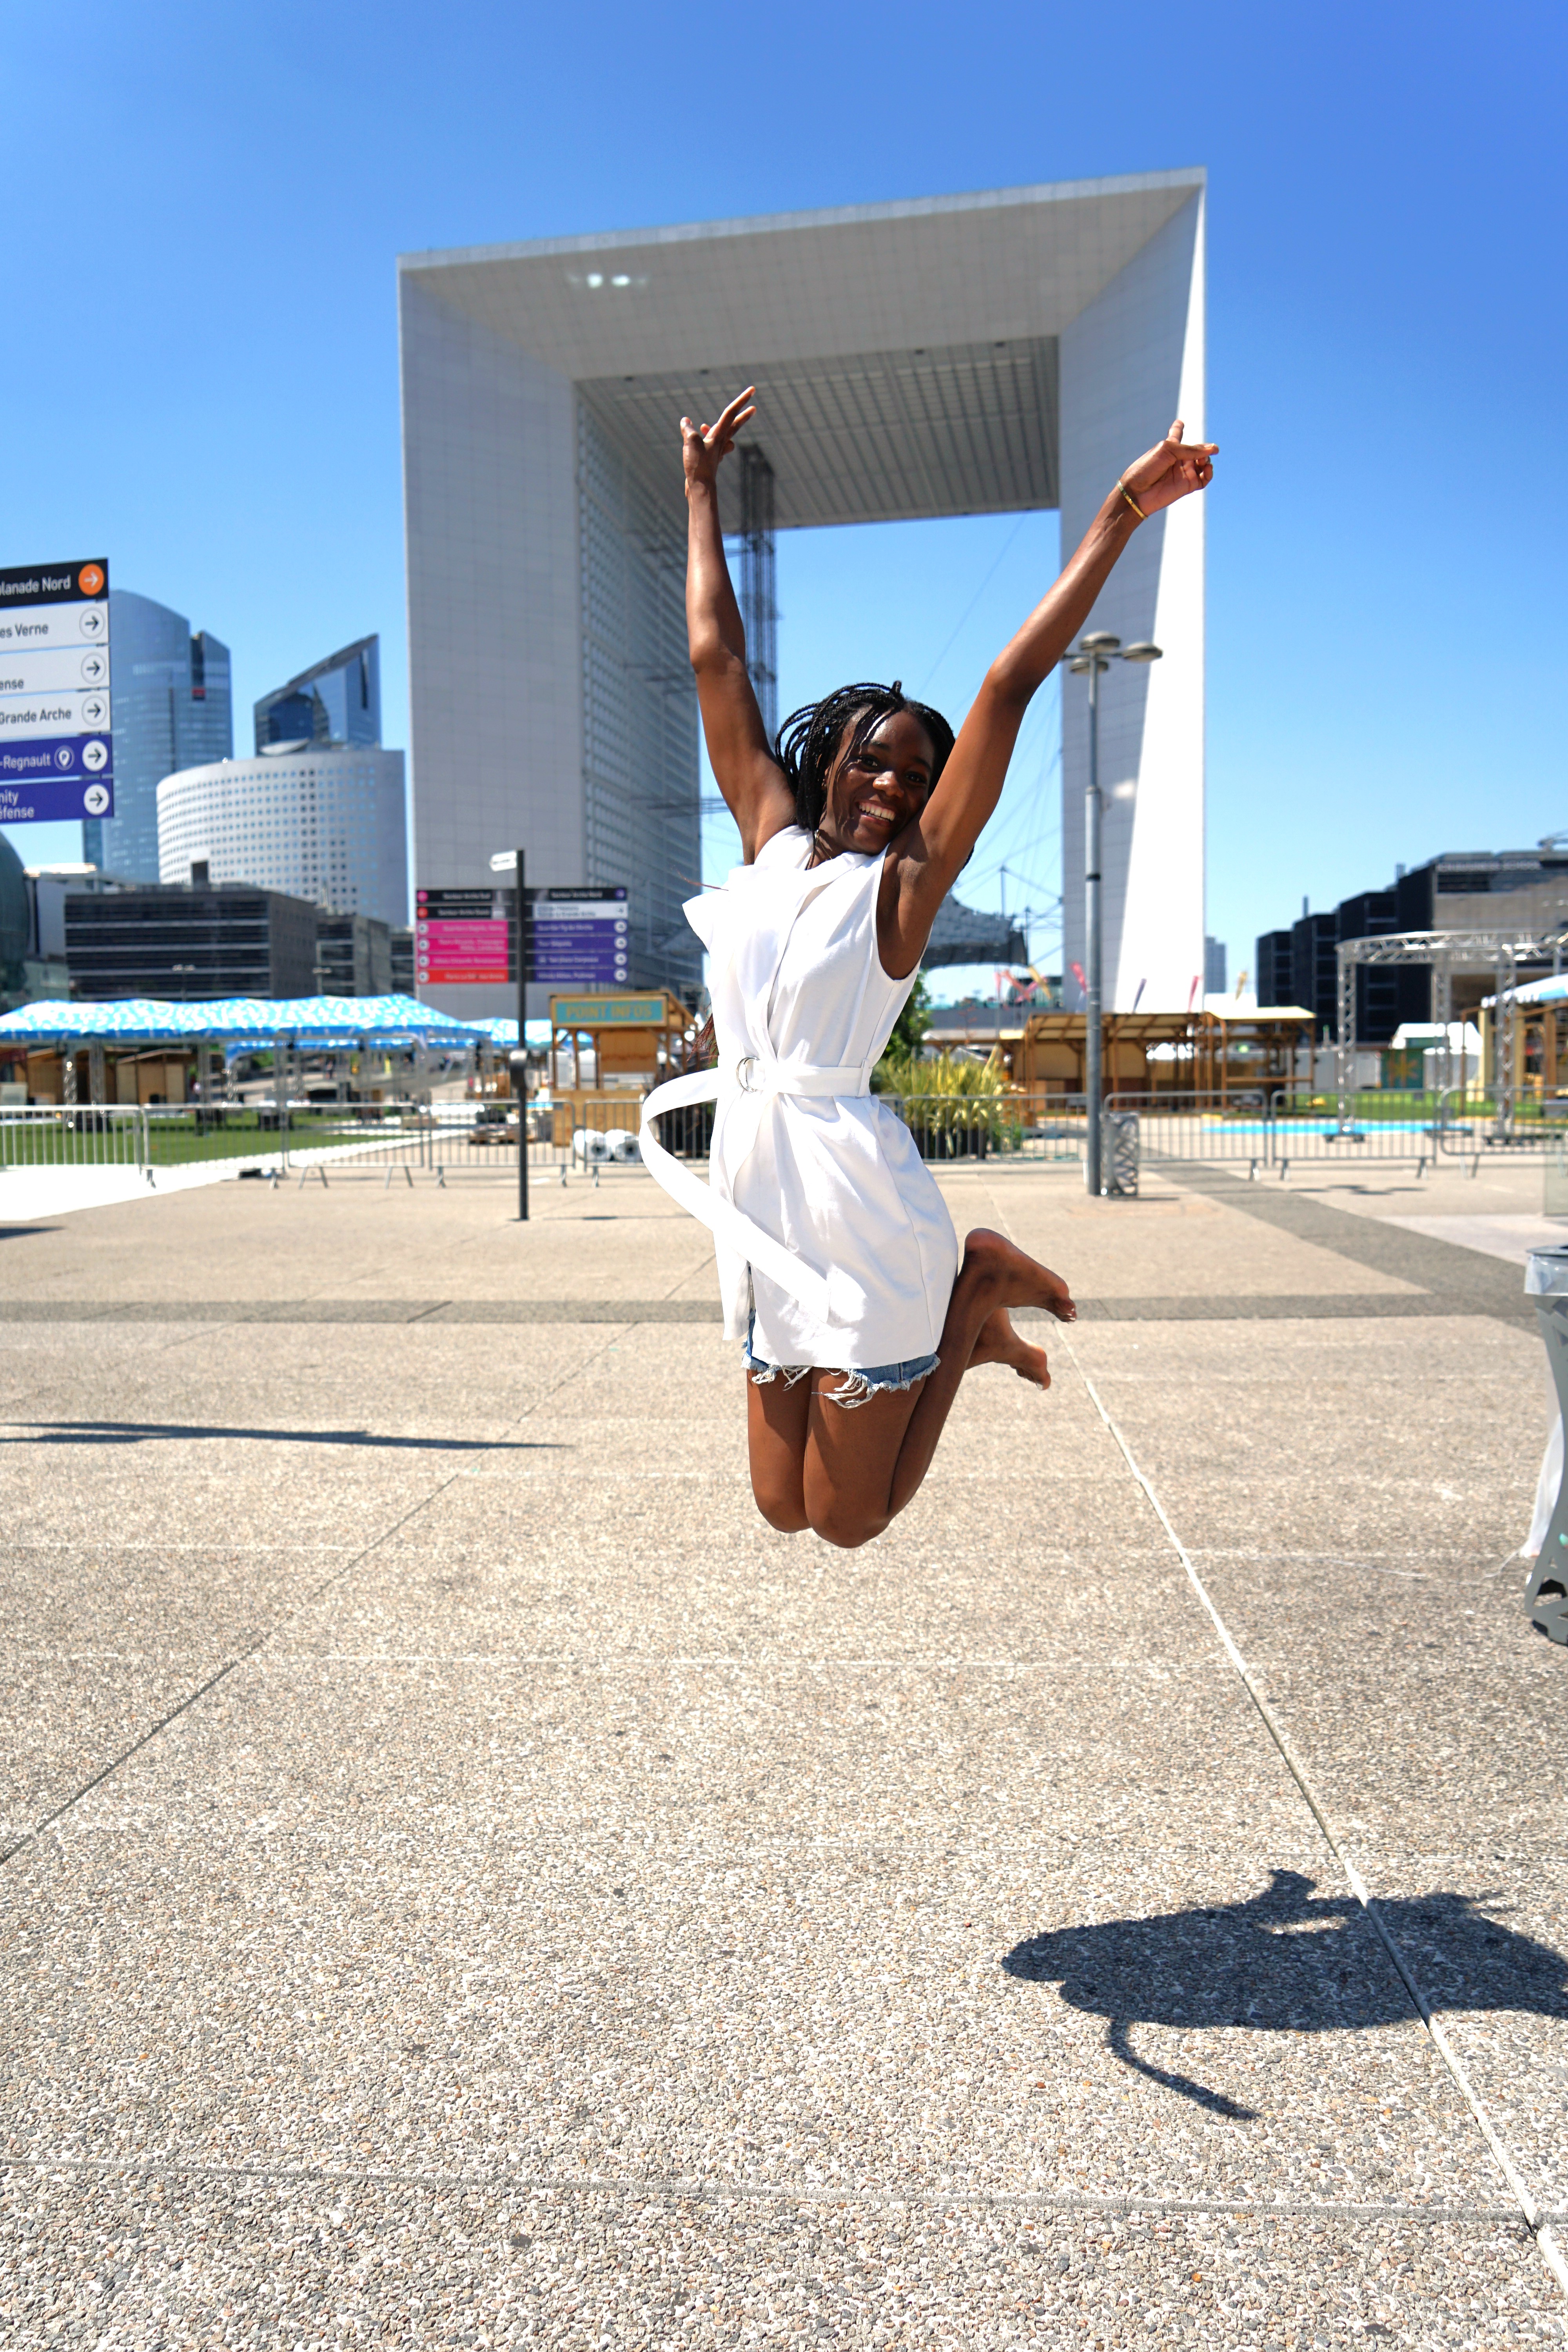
(1170, 470)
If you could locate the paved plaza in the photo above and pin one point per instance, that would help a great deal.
(469, 1882)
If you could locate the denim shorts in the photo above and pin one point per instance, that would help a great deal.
(880, 1380)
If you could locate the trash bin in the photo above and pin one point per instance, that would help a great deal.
(1119, 1154)
(1546, 1594)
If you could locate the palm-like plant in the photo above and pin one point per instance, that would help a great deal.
(947, 1097)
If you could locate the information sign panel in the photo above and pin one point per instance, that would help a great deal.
(463, 937)
(57, 747)
(578, 938)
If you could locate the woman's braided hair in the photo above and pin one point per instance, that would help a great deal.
(807, 745)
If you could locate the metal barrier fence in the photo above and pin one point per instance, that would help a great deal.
(1265, 1133)
(445, 1141)
(80, 1135)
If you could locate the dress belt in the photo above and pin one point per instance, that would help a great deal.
(756, 1074)
(828, 1300)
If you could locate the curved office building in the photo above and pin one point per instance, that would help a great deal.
(319, 822)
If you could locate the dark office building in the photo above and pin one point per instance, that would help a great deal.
(402, 961)
(1315, 971)
(1511, 889)
(169, 708)
(1272, 963)
(1523, 893)
(353, 956)
(180, 942)
(337, 701)
(1386, 996)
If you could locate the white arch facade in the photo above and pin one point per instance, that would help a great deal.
(955, 355)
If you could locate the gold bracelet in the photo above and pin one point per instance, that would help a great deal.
(1131, 499)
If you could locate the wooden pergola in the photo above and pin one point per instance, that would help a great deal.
(1173, 1055)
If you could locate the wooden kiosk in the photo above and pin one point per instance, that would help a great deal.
(635, 1038)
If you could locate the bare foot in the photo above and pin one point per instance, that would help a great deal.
(998, 1343)
(991, 1260)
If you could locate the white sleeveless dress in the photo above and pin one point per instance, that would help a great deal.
(828, 1224)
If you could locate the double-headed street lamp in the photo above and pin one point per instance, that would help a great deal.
(1093, 654)
(515, 861)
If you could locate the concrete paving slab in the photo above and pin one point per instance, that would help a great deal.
(952, 1888)
(182, 2255)
(1185, 1244)
(761, 1596)
(459, 1242)
(423, 1385)
(276, 1486)
(1486, 1928)
(1305, 1439)
(102, 1643)
(38, 1359)
(783, 1991)
(109, 1600)
(1511, 1236)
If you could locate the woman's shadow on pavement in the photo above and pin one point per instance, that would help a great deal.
(1288, 1962)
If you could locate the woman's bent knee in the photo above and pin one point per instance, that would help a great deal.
(784, 1511)
(849, 1529)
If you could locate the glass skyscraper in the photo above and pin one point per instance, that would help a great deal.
(337, 701)
(172, 707)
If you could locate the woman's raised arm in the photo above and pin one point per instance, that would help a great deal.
(743, 765)
(931, 851)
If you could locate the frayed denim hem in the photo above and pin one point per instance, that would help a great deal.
(760, 1373)
(859, 1387)
(880, 1380)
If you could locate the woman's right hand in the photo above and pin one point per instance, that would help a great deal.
(704, 447)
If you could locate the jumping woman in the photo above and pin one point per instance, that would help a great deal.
(839, 1265)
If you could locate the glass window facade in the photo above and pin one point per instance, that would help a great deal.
(338, 701)
(172, 707)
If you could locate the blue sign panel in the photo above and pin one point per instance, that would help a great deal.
(57, 750)
(50, 798)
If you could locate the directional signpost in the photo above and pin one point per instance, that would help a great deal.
(575, 938)
(57, 750)
(579, 937)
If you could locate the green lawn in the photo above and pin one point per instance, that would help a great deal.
(72, 1138)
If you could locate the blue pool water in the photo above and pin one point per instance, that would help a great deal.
(1286, 1128)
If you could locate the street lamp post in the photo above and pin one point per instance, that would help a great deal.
(1093, 654)
(515, 861)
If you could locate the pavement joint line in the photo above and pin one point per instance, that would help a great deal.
(728, 1661)
(1538, 2220)
(31, 1836)
(711, 2192)
(194, 1317)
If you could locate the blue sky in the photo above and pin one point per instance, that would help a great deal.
(201, 381)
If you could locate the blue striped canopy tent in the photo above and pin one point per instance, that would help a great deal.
(239, 1023)
(132, 1020)
(503, 1033)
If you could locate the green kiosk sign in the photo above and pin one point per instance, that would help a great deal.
(607, 1011)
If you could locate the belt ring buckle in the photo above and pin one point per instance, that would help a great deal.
(746, 1063)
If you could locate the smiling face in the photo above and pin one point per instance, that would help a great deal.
(876, 791)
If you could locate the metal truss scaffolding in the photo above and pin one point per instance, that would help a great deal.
(759, 611)
(1506, 953)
